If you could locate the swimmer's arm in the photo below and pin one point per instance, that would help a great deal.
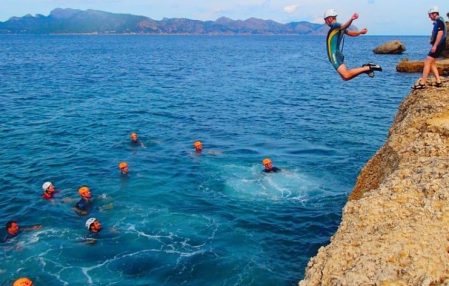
(87, 240)
(68, 200)
(31, 227)
(90, 240)
(80, 211)
(106, 207)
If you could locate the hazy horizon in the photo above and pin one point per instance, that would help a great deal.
(379, 16)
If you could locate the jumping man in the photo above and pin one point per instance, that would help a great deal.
(334, 46)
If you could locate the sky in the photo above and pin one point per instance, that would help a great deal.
(380, 17)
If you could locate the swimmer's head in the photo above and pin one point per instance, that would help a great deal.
(198, 146)
(84, 192)
(267, 163)
(133, 136)
(48, 187)
(123, 166)
(12, 227)
(93, 224)
(24, 281)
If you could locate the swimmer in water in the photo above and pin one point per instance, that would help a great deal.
(23, 281)
(123, 166)
(135, 139)
(49, 191)
(94, 227)
(12, 229)
(198, 145)
(268, 166)
(84, 205)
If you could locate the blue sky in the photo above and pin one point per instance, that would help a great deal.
(381, 17)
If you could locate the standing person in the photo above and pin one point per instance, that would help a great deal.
(438, 42)
(335, 47)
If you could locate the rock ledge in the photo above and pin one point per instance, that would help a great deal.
(395, 225)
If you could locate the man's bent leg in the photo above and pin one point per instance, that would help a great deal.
(350, 74)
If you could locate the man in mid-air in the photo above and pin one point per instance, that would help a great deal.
(334, 46)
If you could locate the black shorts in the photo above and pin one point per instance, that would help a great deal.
(438, 51)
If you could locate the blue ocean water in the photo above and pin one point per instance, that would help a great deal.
(69, 103)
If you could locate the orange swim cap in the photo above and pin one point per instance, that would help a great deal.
(84, 191)
(197, 144)
(23, 282)
(122, 165)
(266, 161)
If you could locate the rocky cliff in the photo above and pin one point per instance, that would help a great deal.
(395, 225)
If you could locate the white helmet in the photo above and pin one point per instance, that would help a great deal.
(46, 185)
(434, 9)
(90, 221)
(330, 13)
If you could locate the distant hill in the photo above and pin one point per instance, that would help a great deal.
(68, 21)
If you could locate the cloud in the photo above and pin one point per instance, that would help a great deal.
(290, 9)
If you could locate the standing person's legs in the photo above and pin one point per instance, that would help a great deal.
(429, 61)
(435, 72)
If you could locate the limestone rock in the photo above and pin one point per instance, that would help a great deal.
(417, 66)
(392, 47)
(395, 225)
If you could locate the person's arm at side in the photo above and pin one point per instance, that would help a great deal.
(437, 41)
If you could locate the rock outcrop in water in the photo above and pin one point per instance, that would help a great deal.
(395, 225)
(392, 47)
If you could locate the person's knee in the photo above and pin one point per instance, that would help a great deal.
(345, 77)
(429, 60)
(344, 73)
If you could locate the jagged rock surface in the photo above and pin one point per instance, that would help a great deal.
(395, 225)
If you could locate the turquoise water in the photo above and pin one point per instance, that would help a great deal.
(68, 104)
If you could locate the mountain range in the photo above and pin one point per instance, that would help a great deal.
(73, 21)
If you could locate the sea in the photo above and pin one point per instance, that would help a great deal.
(68, 104)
